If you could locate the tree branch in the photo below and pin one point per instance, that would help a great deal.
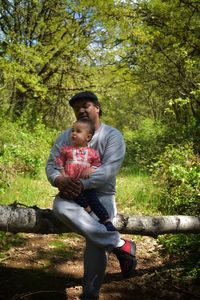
(35, 220)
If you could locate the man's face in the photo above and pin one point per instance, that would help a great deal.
(86, 109)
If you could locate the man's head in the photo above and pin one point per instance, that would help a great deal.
(86, 106)
(86, 96)
(83, 103)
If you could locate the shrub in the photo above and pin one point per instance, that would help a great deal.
(144, 144)
(188, 246)
(178, 172)
(22, 150)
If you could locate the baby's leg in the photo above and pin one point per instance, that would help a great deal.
(99, 210)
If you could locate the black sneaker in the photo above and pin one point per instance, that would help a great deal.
(126, 257)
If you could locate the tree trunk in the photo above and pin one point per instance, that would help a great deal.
(35, 220)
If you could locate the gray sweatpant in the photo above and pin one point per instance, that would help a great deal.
(99, 241)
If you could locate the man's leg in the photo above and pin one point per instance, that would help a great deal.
(95, 262)
(97, 240)
(78, 220)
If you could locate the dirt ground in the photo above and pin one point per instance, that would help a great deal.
(42, 267)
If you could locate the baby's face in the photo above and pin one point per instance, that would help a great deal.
(80, 134)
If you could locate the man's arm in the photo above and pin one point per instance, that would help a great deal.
(112, 159)
(52, 171)
(68, 187)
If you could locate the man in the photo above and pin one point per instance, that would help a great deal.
(109, 143)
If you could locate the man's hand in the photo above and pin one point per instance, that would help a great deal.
(68, 187)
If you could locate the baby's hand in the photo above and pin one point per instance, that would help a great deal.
(87, 173)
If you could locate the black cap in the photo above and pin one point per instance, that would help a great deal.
(83, 95)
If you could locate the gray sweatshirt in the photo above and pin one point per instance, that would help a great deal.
(109, 142)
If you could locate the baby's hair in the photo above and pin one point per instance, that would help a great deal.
(89, 123)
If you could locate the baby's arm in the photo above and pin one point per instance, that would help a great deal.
(94, 164)
(62, 172)
(86, 173)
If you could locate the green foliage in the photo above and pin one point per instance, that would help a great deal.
(22, 150)
(188, 246)
(159, 51)
(178, 172)
(131, 54)
(48, 50)
(4, 243)
(142, 60)
(144, 144)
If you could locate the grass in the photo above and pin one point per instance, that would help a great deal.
(26, 191)
(136, 193)
(29, 191)
(60, 247)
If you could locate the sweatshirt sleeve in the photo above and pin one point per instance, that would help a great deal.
(52, 170)
(111, 160)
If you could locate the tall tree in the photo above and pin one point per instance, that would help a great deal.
(47, 48)
(164, 56)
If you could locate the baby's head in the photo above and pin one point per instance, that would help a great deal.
(82, 132)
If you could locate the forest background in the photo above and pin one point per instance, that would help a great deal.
(142, 60)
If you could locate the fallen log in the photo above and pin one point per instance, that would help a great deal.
(36, 220)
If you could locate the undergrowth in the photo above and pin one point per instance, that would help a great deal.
(173, 189)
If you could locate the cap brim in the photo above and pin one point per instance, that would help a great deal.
(83, 96)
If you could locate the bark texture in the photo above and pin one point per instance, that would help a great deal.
(35, 220)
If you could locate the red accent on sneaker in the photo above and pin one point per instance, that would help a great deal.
(126, 257)
(129, 247)
(126, 247)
